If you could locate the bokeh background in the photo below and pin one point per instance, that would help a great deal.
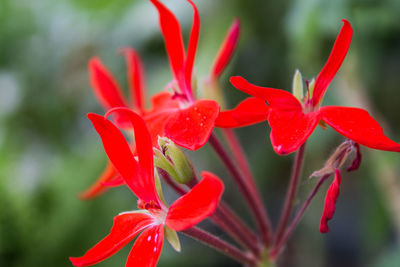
(49, 151)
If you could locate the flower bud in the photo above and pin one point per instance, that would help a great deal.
(338, 158)
(171, 159)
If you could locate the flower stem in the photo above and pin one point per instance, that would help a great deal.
(239, 155)
(236, 228)
(291, 193)
(275, 251)
(224, 217)
(253, 198)
(220, 245)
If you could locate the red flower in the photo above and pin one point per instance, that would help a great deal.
(184, 213)
(191, 124)
(292, 122)
(330, 202)
(177, 116)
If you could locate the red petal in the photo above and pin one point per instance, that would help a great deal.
(334, 62)
(162, 107)
(163, 100)
(126, 226)
(98, 187)
(250, 111)
(357, 125)
(330, 201)
(171, 31)
(104, 85)
(191, 127)
(276, 98)
(136, 78)
(194, 38)
(139, 177)
(147, 248)
(106, 88)
(117, 181)
(196, 205)
(225, 52)
(290, 129)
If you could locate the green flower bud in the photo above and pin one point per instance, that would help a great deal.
(171, 159)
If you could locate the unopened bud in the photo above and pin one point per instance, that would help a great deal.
(171, 159)
(338, 158)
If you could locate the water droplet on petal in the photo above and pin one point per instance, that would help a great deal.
(155, 249)
(187, 118)
(149, 238)
(201, 124)
(195, 108)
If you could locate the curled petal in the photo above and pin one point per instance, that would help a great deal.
(171, 31)
(136, 78)
(139, 177)
(330, 202)
(196, 205)
(357, 125)
(147, 248)
(334, 62)
(226, 51)
(192, 48)
(191, 127)
(276, 98)
(250, 111)
(290, 129)
(126, 226)
(98, 187)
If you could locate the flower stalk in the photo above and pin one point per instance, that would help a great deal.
(278, 246)
(253, 199)
(220, 245)
(291, 193)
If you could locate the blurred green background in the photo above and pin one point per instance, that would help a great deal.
(49, 151)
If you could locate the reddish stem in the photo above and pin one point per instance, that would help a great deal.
(275, 251)
(291, 193)
(253, 199)
(220, 245)
(230, 224)
(239, 155)
(223, 217)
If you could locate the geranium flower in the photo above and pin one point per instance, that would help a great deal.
(109, 94)
(154, 216)
(177, 116)
(292, 121)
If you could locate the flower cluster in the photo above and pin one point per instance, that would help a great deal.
(178, 117)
